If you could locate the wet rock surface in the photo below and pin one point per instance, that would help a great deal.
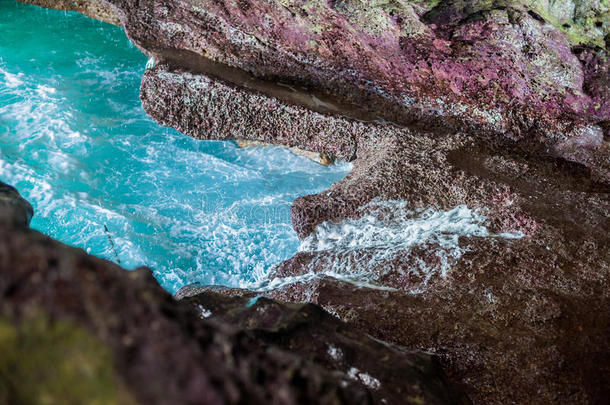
(74, 328)
(498, 107)
(391, 373)
(518, 319)
(513, 320)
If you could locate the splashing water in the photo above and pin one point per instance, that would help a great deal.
(76, 143)
(390, 225)
(391, 245)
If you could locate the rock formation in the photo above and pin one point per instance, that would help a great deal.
(77, 329)
(499, 106)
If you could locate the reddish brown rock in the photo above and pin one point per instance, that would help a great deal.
(498, 70)
(79, 329)
(98, 9)
(492, 105)
(522, 320)
(507, 334)
(392, 374)
(495, 69)
(516, 320)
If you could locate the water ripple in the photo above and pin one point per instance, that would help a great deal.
(76, 142)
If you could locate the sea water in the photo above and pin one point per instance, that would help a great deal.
(104, 177)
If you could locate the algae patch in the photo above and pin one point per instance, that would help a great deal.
(56, 362)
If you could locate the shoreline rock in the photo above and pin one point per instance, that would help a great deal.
(498, 70)
(493, 69)
(125, 340)
(97, 9)
(501, 106)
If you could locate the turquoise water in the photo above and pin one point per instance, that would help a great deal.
(77, 144)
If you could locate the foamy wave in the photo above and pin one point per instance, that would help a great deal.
(391, 225)
(390, 246)
(11, 80)
(76, 142)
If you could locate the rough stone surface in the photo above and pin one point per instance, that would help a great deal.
(508, 339)
(392, 374)
(74, 328)
(500, 105)
(214, 110)
(494, 66)
(98, 9)
(517, 320)
(498, 66)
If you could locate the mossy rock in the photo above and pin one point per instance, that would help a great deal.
(55, 363)
(583, 21)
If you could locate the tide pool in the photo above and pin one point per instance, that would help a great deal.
(77, 144)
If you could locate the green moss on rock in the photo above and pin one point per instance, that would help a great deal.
(49, 362)
(583, 21)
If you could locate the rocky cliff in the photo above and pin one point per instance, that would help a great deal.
(498, 106)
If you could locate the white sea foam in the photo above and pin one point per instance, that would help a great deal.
(11, 80)
(391, 225)
(44, 91)
(76, 142)
(390, 239)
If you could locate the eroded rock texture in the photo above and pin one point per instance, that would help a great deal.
(93, 8)
(447, 106)
(77, 329)
(494, 108)
(497, 67)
